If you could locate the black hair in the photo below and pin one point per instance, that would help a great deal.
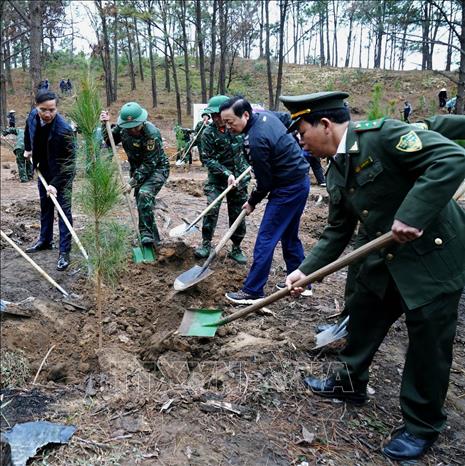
(238, 104)
(44, 96)
(337, 115)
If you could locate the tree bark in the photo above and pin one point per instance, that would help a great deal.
(283, 5)
(115, 58)
(139, 55)
(223, 18)
(268, 57)
(199, 29)
(213, 50)
(460, 105)
(132, 73)
(105, 54)
(153, 70)
(349, 38)
(185, 43)
(35, 58)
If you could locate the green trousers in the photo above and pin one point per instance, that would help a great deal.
(431, 330)
(145, 199)
(24, 166)
(236, 198)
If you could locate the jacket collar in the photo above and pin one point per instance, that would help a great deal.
(352, 147)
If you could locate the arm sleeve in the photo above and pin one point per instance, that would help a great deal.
(66, 161)
(335, 237)
(116, 131)
(262, 171)
(155, 163)
(27, 137)
(210, 156)
(438, 167)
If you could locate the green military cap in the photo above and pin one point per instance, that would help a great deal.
(131, 115)
(300, 105)
(215, 103)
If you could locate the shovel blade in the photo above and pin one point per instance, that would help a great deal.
(143, 254)
(332, 334)
(191, 277)
(197, 322)
(182, 230)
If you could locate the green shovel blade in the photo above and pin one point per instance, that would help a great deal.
(199, 322)
(143, 254)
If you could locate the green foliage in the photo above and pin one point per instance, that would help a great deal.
(114, 248)
(422, 104)
(397, 84)
(329, 85)
(100, 190)
(391, 109)
(374, 108)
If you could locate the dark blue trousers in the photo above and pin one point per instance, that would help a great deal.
(47, 213)
(280, 223)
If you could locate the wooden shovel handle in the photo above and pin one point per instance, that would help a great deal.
(39, 269)
(224, 239)
(338, 264)
(63, 216)
(121, 177)
(460, 191)
(218, 199)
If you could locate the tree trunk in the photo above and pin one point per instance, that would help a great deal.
(460, 105)
(328, 54)
(268, 57)
(8, 67)
(425, 33)
(106, 61)
(381, 9)
(360, 48)
(185, 43)
(115, 59)
(335, 13)
(283, 4)
(153, 71)
(35, 40)
(132, 73)
(213, 50)
(3, 110)
(349, 38)
(139, 55)
(199, 30)
(322, 39)
(222, 8)
(262, 13)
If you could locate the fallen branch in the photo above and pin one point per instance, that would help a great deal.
(42, 364)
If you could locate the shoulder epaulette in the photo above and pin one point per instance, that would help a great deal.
(367, 125)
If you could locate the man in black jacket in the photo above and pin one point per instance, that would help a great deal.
(49, 139)
(281, 173)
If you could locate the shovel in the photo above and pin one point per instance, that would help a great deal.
(39, 269)
(142, 253)
(187, 227)
(63, 216)
(197, 273)
(205, 324)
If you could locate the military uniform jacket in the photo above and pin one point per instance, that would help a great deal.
(145, 153)
(19, 145)
(223, 155)
(395, 171)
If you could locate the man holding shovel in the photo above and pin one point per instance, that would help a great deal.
(149, 165)
(390, 176)
(282, 175)
(49, 139)
(223, 155)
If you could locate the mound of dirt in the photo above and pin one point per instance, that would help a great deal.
(192, 187)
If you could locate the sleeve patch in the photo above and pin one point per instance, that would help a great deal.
(151, 144)
(409, 142)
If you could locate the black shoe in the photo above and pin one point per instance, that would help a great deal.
(406, 446)
(39, 246)
(332, 388)
(63, 261)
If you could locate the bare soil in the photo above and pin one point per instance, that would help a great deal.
(151, 397)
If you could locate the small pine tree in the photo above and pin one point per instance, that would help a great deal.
(100, 192)
(374, 108)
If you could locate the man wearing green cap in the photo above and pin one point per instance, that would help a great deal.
(223, 155)
(391, 176)
(24, 164)
(149, 165)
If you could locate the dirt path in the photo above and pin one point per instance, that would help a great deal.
(149, 397)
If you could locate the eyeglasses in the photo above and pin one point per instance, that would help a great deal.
(47, 110)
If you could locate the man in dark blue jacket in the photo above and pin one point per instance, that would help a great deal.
(49, 139)
(281, 173)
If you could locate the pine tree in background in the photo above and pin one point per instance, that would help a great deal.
(99, 193)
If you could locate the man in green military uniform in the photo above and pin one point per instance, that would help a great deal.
(198, 131)
(390, 176)
(223, 155)
(24, 164)
(149, 165)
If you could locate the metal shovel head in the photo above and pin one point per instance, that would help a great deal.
(191, 277)
(198, 322)
(332, 334)
(143, 254)
(182, 230)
